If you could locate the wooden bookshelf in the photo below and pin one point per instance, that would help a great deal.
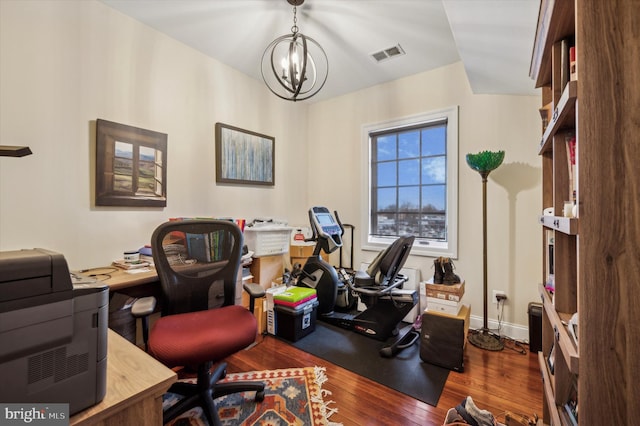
(596, 255)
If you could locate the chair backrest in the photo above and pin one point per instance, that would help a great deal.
(197, 262)
(386, 265)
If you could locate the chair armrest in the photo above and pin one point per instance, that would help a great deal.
(255, 290)
(143, 307)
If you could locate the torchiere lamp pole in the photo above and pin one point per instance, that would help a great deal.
(484, 162)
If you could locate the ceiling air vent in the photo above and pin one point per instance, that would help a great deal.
(389, 53)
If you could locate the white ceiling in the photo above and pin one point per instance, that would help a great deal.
(493, 38)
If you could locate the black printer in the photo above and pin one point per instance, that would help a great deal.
(53, 332)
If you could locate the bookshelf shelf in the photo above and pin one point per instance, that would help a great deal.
(561, 334)
(555, 22)
(563, 116)
(547, 383)
(566, 225)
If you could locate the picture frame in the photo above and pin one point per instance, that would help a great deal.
(131, 166)
(244, 157)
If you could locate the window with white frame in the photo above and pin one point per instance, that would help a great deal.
(411, 182)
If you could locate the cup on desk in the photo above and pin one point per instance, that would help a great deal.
(131, 256)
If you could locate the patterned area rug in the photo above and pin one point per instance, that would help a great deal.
(293, 396)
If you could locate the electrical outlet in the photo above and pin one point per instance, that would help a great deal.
(498, 295)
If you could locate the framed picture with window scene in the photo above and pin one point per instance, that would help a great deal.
(244, 157)
(131, 166)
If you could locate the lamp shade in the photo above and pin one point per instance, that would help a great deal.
(485, 161)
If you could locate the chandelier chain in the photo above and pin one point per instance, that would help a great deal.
(294, 28)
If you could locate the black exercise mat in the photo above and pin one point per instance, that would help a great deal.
(406, 372)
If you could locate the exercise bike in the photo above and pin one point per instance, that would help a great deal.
(379, 288)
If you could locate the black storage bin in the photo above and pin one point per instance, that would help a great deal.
(294, 324)
(535, 327)
(120, 318)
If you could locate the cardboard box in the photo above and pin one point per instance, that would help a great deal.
(442, 291)
(258, 311)
(443, 296)
(261, 315)
(266, 270)
(444, 306)
(301, 252)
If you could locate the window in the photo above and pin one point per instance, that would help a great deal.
(411, 186)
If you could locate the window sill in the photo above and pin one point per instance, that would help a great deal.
(416, 250)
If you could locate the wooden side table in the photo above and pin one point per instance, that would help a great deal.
(135, 385)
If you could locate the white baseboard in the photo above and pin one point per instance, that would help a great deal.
(514, 331)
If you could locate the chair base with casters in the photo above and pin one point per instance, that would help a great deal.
(206, 390)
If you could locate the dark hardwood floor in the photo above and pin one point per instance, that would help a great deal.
(497, 381)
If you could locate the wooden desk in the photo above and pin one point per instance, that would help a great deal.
(141, 284)
(135, 384)
(121, 279)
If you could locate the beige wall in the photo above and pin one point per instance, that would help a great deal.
(65, 63)
(486, 122)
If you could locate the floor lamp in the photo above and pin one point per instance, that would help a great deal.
(484, 162)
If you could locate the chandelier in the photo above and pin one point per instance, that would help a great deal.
(294, 66)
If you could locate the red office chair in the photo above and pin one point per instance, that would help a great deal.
(197, 262)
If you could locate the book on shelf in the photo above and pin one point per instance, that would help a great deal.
(198, 247)
(551, 359)
(566, 47)
(564, 63)
(549, 254)
(208, 247)
(573, 328)
(571, 406)
(570, 144)
(573, 64)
